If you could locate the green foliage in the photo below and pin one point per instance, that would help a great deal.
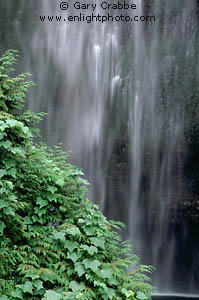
(13, 91)
(54, 243)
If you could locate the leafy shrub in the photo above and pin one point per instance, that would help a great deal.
(54, 243)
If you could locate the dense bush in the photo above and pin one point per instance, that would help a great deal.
(54, 243)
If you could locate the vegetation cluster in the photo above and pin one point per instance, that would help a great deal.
(54, 243)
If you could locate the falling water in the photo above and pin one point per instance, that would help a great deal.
(122, 97)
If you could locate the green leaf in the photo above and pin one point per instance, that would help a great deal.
(48, 275)
(76, 171)
(73, 256)
(101, 284)
(58, 235)
(60, 182)
(3, 191)
(91, 264)
(79, 268)
(27, 287)
(12, 172)
(98, 242)
(3, 204)
(6, 144)
(42, 202)
(83, 181)
(3, 105)
(18, 151)
(91, 250)
(89, 230)
(51, 295)
(73, 230)
(25, 129)
(2, 226)
(81, 221)
(9, 211)
(36, 219)
(105, 273)
(1, 138)
(32, 274)
(141, 296)
(2, 173)
(38, 284)
(110, 292)
(9, 163)
(13, 123)
(52, 189)
(27, 220)
(4, 297)
(52, 197)
(70, 245)
(128, 293)
(76, 287)
(17, 294)
(2, 126)
(10, 186)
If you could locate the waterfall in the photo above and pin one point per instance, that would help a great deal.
(122, 96)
